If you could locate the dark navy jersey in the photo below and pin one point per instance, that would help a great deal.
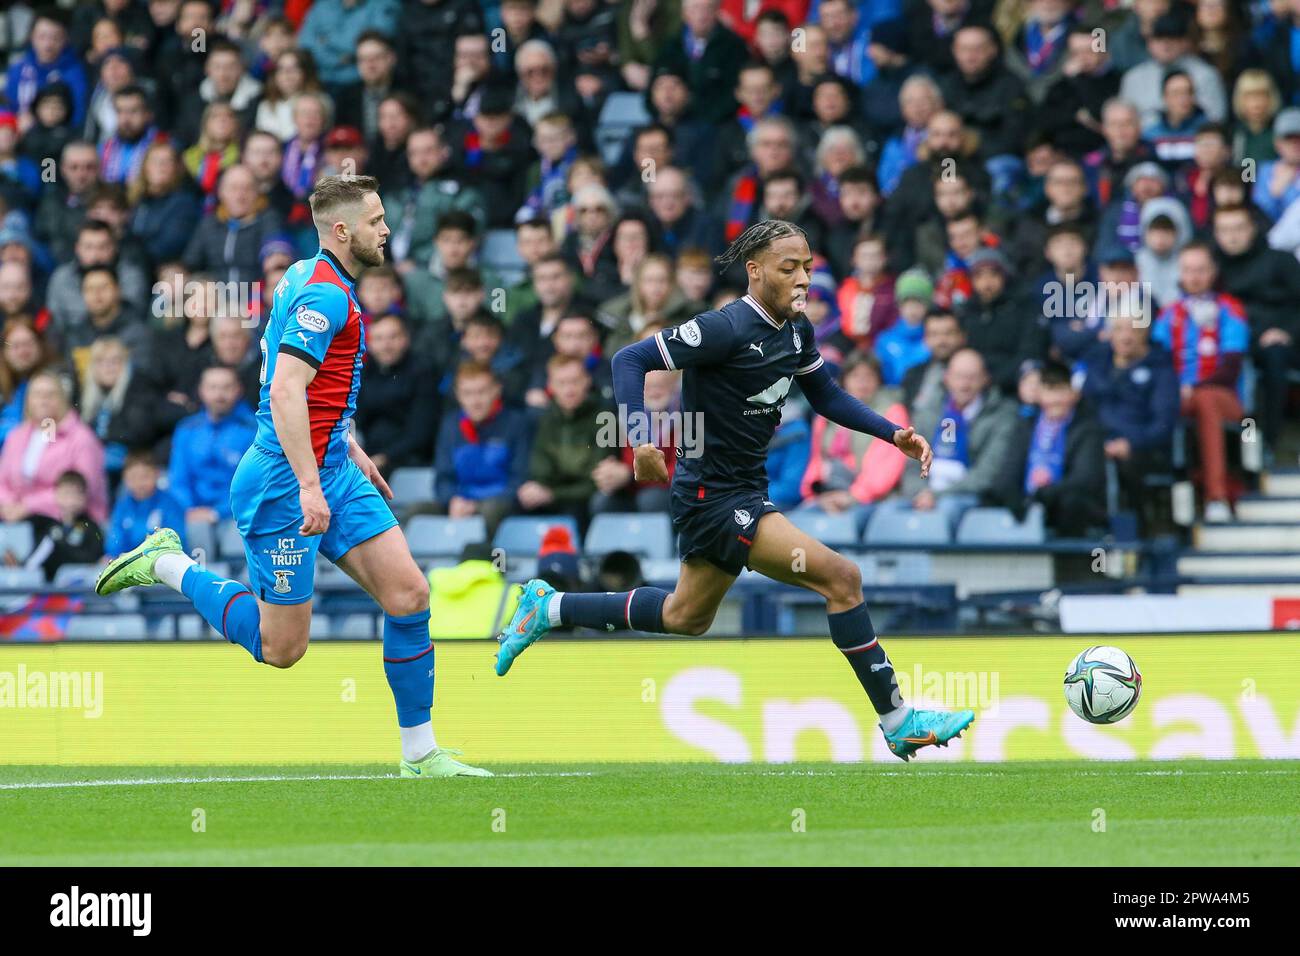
(738, 364)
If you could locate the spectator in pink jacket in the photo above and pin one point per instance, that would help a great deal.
(847, 470)
(38, 451)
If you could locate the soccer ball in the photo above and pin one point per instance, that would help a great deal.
(1102, 685)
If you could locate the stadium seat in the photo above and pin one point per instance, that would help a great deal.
(201, 539)
(646, 535)
(76, 576)
(354, 627)
(16, 538)
(906, 527)
(500, 254)
(999, 526)
(833, 530)
(191, 627)
(621, 113)
(521, 535)
(440, 536)
(229, 543)
(21, 579)
(411, 486)
(106, 627)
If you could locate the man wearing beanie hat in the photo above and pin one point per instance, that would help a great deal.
(492, 152)
(997, 322)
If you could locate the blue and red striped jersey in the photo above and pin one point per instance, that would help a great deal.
(315, 317)
(1198, 347)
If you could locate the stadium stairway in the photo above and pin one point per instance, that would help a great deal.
(1257, 554)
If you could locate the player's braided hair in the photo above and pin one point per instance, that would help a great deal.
(757, 238)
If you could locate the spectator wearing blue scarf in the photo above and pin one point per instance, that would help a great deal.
(1056, 459)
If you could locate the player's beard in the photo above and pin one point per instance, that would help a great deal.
(366, 255)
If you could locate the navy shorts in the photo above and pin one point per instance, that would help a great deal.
(717, 524)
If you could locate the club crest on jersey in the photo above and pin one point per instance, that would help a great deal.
(311, 320)
(690, 333)
(281, 585)
(742, 517)
(798, 343)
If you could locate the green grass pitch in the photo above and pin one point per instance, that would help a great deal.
(1197, 813)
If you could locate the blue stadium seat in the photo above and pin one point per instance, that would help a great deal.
(521, 535)
(440, 536)
(106, 627)
(907, 527)
(16, 538)
(76, 576)
(500, 254)
(833, 530)
(411, 486)
(229, 543)
(201, 540)
(999, 526)
(354, 627)
(21, 579)
(647, 535)
(621, 113)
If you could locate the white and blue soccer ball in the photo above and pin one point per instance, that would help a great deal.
(1103, 685)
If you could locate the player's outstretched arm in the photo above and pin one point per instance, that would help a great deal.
(293, 429)
(628, 369)
(834, 404)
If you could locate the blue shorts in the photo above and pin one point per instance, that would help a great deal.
(264, 500)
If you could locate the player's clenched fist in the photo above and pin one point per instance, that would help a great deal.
(648, 464)
(315, 512)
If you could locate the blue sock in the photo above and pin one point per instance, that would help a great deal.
(226, 605)
(640, 609)
(408, 664)
(853, 634)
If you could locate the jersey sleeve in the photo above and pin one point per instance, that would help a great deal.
(315, 315)
(706, 339)
(810, 357)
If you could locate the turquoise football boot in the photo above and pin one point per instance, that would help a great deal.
(529, 624)
(924, 728)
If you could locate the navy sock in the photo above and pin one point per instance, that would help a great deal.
(640, 609)
(408, 665)
(853, 634)
(226, 605)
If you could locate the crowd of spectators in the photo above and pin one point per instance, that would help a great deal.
(1052, 235)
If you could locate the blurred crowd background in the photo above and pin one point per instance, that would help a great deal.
(1058, 238)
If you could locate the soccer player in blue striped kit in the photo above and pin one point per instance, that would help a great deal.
(739, 363)
(305, 486)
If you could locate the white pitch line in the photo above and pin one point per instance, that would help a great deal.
(155, 781)
(918, 771)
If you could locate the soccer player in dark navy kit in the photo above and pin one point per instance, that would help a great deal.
(305, 486)
(738, 365)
